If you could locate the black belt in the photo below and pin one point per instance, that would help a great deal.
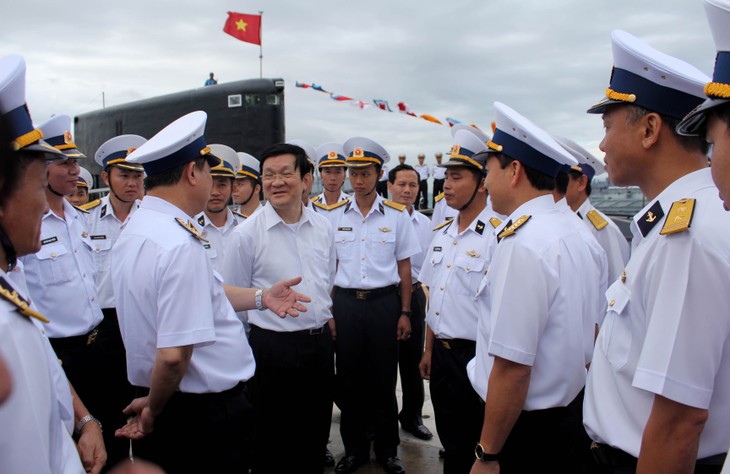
(606, 455)
(450, 344)
(361, 294)
(210, 396)
(417, 285)
(301, 332)
(75, 341)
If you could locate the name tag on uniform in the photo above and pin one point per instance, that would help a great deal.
(206, 246)
(98, 237)
(437, 249)
(344, 229)
(49, 240)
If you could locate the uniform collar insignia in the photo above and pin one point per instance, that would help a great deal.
(381, 208)
(578, 214)
(479, 228)
(201, 220)
(102, 211)
(9, 294)
(650, 218)
(190, 228)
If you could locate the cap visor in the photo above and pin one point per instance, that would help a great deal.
(129, 166)
(43, 147)
(601, 106)
(74, 153)
(213, 160)
(694, 123)
(359, 165)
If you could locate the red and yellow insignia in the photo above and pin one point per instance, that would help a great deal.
(332, 155)
(455, 149)
(67, 138)
(130, 150)
(358, 153)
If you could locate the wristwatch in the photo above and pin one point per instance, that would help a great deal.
(260, 299)
(484, 457)
(85, 420)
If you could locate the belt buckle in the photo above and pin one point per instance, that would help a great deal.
(598, 455)
(445, 344)
(315, 332)
(361, 294)
(92, 337)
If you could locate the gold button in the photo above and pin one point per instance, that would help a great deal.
(98, 250)
(623, 276)
(84, 234)
(468, 268)
(54, 255)
(455, 242)
(362, 238)
(343, 239)
(448, 265)
(611, 303)
(442, 288)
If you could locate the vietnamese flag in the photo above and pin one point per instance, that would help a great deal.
(244, 27)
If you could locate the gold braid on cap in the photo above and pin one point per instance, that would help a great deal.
(717, 89)
(25, 140)
(363, 159)
(205, 151)
(494, 146)
(118, 160)
(613, 95)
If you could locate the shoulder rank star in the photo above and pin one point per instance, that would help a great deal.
(473, 254)
(384, 229)
(190, 228)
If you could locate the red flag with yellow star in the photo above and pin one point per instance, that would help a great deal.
(244, 27)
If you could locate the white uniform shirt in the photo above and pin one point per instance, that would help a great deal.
(536, 279)
(453, 269)
(104, 229)
(423, 171)
(217, 237)
(424, 233)
(369, 247)
(438, 172)
(667, 329)
(385, 174)
(321, 198)
(610, 238)
(169, 296)
(238, 213)
(35, 438)
(266, 250)
(442, 212)
(60, 276)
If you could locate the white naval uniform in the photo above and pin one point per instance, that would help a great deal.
(35, 437)
(423, 171)
(438, 172)
(609, 237)
(217, 237)
(238, 213)
(667, 330)
(320, 198)
(104, 229)
(454, 267)
(442, 212)
(175, 299)
(367, 244)
(528, 305)
(424, 232)
(60, 276)
(267, 250)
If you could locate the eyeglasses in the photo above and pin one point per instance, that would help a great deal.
(268, 177)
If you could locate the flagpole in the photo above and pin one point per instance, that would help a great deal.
(261, 48)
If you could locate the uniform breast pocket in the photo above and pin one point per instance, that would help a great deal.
(470, 272)
(102, 252)
(616, 330)
(56, 263)
(382, 246)
(345, 245)
(210, 251)
(436, 258)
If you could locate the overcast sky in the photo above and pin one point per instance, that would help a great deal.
(549, 60)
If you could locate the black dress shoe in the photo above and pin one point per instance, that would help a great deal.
(418, 430)
(349, 464)
(393, 465)
(329, 458)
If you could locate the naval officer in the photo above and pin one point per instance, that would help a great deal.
(332, 172)
(246, 192)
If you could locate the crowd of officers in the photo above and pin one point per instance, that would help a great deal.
(209, 339)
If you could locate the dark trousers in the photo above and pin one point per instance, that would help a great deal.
(367, 360)
(382, 188)
(292, 396)
(422, 197)
(97, 369)
(409, 356)
(438, 187)
(546, 436)
(458, 408)
(202, 433)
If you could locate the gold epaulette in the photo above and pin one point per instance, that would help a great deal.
(395, 205)
(596, 219)
(240, 215)
(495, 222)
(439, 197)
(314, 199)
(90, 205)
(337, 204)
(320, 205)
(444, 224)
(680, 216)
(80, 209)
(7, 293)
(513, 228)
(190, 228)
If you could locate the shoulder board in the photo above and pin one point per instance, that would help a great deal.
(596, 219)
(80, 209)
(314, 199)
(239, 214)
(395, 205)
(90, 205)
(9, 294)
(444, 223)
(190, 228)
(439, 197)
(337, 204)
(321, 205)
(680, 216)
(513, 228)
(495, 222)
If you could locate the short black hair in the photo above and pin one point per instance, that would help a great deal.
(575, 175)
(12, 164)
(404, 167)
(171, 176)
(561, 182)
(301, 162)
(537, 179)
(689, 143)
(722, 112)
